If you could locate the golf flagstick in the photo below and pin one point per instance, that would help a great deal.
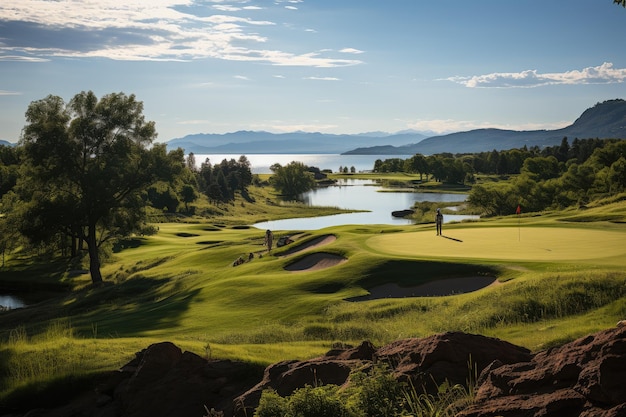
(518, 212)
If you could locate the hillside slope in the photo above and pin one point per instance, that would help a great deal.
(604, 120)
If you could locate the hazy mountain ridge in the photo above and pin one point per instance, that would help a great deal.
(604, 120)
(243, 142)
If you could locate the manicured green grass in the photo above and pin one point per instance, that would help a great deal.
(562, 278)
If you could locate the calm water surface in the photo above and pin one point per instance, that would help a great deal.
(361, 195)
(10, 302)
(261, 163)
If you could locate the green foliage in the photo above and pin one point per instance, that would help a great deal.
(220, 182)
(448, 402)
(376, 392)
(320, 401)
(372, 392)
(292, 179)
(86, 164)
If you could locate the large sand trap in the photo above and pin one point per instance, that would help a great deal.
(437, 288)
(315, 261)
(508, 243)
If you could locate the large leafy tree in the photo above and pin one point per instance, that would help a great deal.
(87, 164)
(292, 179)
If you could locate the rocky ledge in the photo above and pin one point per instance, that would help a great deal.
(582, 378)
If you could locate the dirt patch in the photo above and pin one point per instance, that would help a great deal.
(316, 261)
(437, 288)
(313, 243)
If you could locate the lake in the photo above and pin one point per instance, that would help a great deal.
(260, 163)
(10, 302)
(349, 194)
(361, 195)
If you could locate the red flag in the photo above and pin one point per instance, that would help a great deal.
(519, 209)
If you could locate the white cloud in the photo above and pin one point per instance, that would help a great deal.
(323, 78)
(602, 74)
(150, 30)
(19, 58)
(351, 51)
(9, 93)
(242, 77)
(295, 127)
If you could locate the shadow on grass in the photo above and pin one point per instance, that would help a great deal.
(127, 309)
(452, 238)
(413, 272)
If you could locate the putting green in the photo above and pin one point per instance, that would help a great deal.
(507, 243)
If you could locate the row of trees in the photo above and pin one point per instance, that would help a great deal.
(461, 168)
(220, 182)
(544, 182)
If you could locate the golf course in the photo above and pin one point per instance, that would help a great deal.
(536, 280)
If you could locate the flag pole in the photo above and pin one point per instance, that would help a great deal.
(519, 232)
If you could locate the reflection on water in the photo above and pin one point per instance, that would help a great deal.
(10, 302)
(361, 195)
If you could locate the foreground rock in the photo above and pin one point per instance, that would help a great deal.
(582, 378)
(435, 358)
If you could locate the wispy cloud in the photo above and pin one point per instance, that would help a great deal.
(19, 58)
(602, 74)
(351, 51)
(164, 30)
(322, 78)
(9, 93)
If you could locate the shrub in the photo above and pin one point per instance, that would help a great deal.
(377, 392)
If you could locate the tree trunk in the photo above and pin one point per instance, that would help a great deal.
(94, 257)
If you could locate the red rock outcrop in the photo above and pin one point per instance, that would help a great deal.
(434, 358)
(586, 377)
(583, 378)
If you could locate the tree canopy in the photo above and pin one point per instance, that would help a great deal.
(292, 179)
(86, 164)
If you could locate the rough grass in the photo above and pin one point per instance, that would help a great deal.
(180, 285)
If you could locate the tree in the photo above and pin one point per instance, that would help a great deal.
(189, 195)
(292, 179)
(622, 2)
(90, 161)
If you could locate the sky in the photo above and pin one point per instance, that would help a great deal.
(331, 66)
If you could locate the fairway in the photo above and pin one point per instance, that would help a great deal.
(507, 243)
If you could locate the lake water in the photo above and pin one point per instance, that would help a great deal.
(10, 302)
(351, 194)
(260, 163)
(361, 195)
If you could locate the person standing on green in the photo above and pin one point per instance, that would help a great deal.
(439, 221)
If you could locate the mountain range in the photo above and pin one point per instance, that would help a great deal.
(604, 120)
(249, 142)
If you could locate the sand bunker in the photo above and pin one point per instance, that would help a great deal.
(313, 243)
(315, 261)
(437, 288)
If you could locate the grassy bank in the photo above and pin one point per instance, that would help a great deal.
(561, 275)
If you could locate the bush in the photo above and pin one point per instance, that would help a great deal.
(309, 401)
(271, 405)
(377, 392)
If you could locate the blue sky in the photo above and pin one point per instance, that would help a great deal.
(333, 66)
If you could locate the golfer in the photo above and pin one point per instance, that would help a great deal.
(439, 221)
(269, 240)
